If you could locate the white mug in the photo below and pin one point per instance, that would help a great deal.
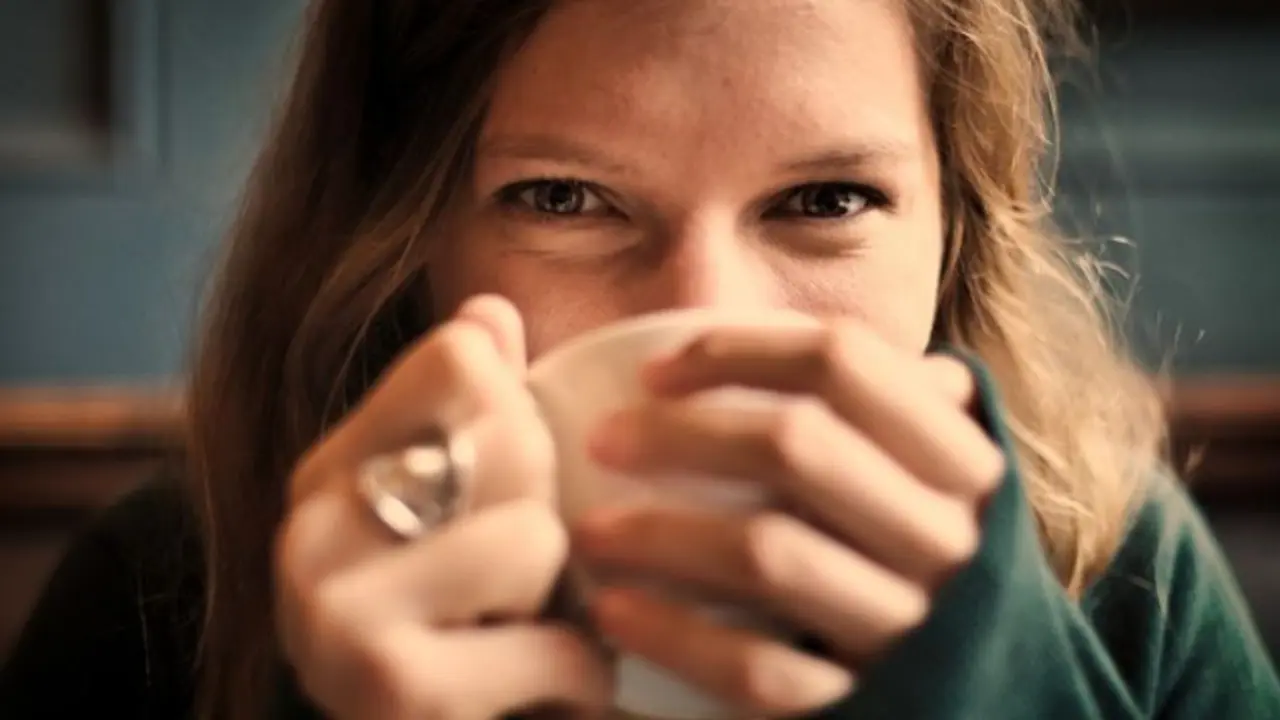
(585, 380)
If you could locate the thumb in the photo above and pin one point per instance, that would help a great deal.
(502, 320)
(525, 467)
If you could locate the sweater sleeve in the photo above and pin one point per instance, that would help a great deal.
(1164, 634)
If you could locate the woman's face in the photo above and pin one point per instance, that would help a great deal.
(649, 154)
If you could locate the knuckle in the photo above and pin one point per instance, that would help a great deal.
(749, 677)
(768, 538)
(707, 348)
(539, 533)
(295, 582)
(331, 605)
(312, 469)
(305, 470)
(458, 348)
(515, 458)
(330, 644)
(793, 431)
(341, 636)
(845, 340)
(529, 441)
(856, 361)
(290, 541)
(458, 345)
(295, 544)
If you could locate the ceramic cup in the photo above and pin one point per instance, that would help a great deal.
(584, 381)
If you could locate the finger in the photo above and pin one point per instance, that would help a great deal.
(865, 381)
(518, 667)
(500, 564)
(815, 462)
(769, 354)
(952, 379)
(764, 356)
(804, 576)
(329, 530)
(455, 381)
(445, 380)
(757, 674)
(405, 672)
(497, 315)
(456, 375)
(319, 535)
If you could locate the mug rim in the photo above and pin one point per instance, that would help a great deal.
(699, 318)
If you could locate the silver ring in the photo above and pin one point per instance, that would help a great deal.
(416, 490)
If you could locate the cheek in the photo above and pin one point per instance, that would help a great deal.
(892, 289)
(554, 306)
(557, 313)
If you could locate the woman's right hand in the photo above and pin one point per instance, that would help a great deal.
(444, 627)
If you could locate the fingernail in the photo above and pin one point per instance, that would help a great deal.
(614, 442)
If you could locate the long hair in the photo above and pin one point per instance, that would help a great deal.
(324, 275)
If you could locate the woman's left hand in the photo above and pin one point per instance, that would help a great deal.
(881, 469)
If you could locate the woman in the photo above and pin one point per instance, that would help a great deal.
(870, 162)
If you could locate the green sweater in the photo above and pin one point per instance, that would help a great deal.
(1163, 634)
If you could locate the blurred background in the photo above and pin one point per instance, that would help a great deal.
(127, 126)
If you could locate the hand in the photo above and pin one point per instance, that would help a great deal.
(442, 627)
(874, 453)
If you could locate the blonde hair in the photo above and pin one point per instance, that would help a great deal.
(1088, 422)
(323, 280)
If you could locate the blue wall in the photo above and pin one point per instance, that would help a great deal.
(101, 263)
(1175, 145)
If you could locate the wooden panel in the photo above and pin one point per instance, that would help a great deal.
(1226, 436)
(63, 418)
(69, 450)
(63, 456)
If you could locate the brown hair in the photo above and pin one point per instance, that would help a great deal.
(323, 280)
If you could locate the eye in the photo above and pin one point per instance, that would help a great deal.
(561, 197)
(827, 201)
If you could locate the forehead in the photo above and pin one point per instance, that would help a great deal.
(708, 71)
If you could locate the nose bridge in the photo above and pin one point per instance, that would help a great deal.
(709, 264)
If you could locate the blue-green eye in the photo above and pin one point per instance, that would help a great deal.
(553, 197)
(827, 201)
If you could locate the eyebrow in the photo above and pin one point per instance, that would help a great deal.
(880, 152)
(546, 147)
